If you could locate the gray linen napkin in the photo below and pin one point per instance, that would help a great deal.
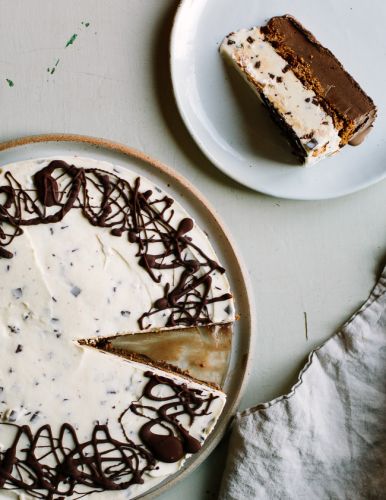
(326, 439)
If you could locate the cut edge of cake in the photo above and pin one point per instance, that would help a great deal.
(290, 89)
(308, 72)
(104, 346)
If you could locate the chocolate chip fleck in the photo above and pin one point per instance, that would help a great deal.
(12, 416)
(250, 39)
(13, 329)
(286, 68)
(34, 416)
(19, 348)
(75, 290)
(312, 143)
(308, 99)
(257, 64)
(17, 293)
(271, 75)
(126, 314)
(279, 79)
(308, 136)
(231, 42)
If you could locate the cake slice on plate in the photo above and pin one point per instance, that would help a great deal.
(317, 104)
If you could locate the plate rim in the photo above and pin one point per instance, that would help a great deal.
(212, 158)
(249, 315)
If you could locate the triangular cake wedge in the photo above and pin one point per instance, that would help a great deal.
(92, 250)
(203, 352)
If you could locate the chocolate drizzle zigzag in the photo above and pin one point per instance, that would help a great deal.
(54, 468)
(126, 211)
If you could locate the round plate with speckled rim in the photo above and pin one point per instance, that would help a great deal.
(227, 120)
(182, 191)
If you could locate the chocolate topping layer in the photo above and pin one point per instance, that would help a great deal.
(341, 96)
(52, 468)
(125, 211)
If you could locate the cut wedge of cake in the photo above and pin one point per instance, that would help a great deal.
(317, 104)
(203, 352)
(88, 251)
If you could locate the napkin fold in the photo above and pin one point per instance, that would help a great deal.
(326, 439)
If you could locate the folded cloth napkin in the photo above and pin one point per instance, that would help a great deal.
(326, 439)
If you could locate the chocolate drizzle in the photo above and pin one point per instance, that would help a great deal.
(110, 202)
(51, 468)
(172, 446)
(54, 468)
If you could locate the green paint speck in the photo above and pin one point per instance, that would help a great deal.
(71, 40)
(10, 82)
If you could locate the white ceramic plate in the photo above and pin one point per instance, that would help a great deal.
(172, 183)
(230, 125)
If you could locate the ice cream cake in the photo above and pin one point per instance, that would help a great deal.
(319, 107)
(91, 250)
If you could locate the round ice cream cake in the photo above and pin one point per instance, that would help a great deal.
(89, 250)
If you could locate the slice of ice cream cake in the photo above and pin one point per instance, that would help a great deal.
(319, 107)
